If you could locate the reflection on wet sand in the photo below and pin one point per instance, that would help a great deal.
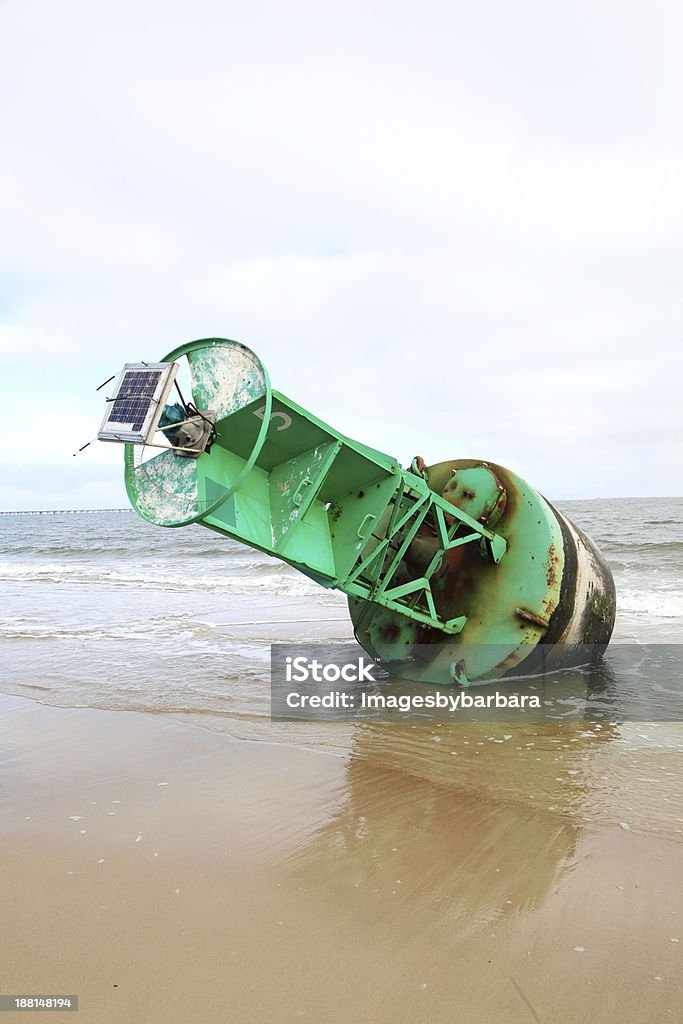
(490, 860)
(468, 825)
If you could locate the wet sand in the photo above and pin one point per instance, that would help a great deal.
(165, 872)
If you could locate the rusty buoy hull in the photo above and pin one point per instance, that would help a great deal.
(550, 603)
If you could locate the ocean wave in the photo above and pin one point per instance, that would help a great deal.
(651, 547)
(245, 559)
(661, 604)
(284, 581)
(15, 628)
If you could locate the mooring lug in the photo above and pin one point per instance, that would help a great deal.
(535, 620)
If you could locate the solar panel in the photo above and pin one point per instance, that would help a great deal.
(137, 403)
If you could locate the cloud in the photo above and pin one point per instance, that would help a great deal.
(456, 230)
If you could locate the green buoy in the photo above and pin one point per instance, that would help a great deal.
(455, 572)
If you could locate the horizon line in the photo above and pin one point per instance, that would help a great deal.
(129, 508)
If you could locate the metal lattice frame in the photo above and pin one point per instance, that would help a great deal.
(414, 506)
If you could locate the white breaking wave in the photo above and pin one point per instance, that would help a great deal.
(662, 604)
(159, 578)
(152, 629)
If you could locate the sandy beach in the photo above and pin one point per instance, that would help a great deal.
(166, 872)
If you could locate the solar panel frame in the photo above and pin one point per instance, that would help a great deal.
(139, 396)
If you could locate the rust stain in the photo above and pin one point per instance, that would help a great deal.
(552, 563)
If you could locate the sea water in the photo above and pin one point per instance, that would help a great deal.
(104, 610)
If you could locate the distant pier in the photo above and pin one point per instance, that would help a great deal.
(62, 511)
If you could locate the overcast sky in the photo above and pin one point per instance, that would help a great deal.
(450, 229)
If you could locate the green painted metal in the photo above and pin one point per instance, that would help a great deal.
(283, 481)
